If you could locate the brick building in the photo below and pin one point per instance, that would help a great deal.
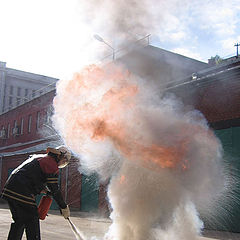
(27, 130)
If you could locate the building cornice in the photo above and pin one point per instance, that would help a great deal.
(20, 144)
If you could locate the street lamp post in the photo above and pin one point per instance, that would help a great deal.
(97, 37)
(237, 45)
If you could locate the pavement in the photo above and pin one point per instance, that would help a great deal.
(56, 227)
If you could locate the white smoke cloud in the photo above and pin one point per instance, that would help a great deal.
(164, 162)
(122, 22)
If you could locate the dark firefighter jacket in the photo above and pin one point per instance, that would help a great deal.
(30, 178)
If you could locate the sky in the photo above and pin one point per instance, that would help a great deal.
(55, 37)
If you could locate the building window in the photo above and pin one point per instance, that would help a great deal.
(33, 93)
(8, 130)
(18, 91)
(45, 118)
(11, 90)
(10, 101)
(26, 95)
(38, 120)
(29, 123)
(48, 116)
(3, 133)
(15, 128)
(18, 101)
(22, 122)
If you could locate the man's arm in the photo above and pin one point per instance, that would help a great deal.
(52, 183)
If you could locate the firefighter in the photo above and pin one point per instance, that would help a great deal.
(36, 174)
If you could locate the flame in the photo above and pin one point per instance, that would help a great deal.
(122, 179)
(101, 104)
(157, 156)
(165, 157)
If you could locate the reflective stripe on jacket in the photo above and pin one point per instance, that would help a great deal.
(30, 178)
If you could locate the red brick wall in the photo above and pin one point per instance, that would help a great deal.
(74, 184)
(39, 104)
(218, 101)
(11, 162)
(103, 205)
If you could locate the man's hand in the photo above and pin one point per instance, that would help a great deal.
(65, 212)
(44, 191)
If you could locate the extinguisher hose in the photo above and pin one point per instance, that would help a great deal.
(77, 233)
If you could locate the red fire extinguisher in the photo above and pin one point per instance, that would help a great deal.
(44, 205)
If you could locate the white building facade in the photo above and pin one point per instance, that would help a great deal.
(17, 87)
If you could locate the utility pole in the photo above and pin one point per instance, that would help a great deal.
(237, 45)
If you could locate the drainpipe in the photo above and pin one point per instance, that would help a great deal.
(2, 84)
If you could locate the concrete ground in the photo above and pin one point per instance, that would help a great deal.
(56, 227)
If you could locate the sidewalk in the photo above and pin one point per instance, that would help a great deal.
(56, 227)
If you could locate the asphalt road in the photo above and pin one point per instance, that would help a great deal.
(56, 227)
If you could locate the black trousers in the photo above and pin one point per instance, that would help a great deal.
(24, 217)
